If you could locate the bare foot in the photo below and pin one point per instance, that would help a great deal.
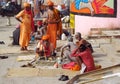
(25, 48)
(22, 49)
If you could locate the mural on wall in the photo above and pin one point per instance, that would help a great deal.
(99, 8)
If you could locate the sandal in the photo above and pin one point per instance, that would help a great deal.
(64, 78)
(3, 57)
(61, 77)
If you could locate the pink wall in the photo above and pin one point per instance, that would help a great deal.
(84, 23)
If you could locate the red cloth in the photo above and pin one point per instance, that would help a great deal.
(68, 65)
(32, 22)
(71, 66)
(46, 49)
(63, 6)
(39, 23)
(87, 59)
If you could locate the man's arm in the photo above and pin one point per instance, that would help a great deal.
(74, 52)
(62, 49)
(18, 19)
(19, 15)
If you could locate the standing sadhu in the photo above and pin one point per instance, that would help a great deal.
(53, 23)
(26, 26)
(59, 24)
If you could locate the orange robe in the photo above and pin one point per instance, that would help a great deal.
(53, 26)
(59, 24)
(26, 27)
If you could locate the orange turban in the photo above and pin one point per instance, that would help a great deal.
(45, 37)
(26, 5)
(50, 3)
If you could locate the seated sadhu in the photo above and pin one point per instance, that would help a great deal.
(84, 55)
(85, 59)
(44, 47)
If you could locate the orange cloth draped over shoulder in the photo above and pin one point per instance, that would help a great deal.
(26, 27)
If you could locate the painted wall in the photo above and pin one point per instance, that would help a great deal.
(84, 23)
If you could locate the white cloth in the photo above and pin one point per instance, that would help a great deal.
(67, 2)
(83, 67)
(91, 0)
(38, 45)
(63, 37)
(59, 8)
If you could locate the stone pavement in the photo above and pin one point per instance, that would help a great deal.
(105, 54)
(13, 52)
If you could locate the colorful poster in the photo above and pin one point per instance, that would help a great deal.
(99, 8)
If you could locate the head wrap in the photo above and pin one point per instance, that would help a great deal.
(26, 5)
(50, 3)
(78, 33)
(45, 37)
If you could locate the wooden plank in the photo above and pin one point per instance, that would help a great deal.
(93, 73)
